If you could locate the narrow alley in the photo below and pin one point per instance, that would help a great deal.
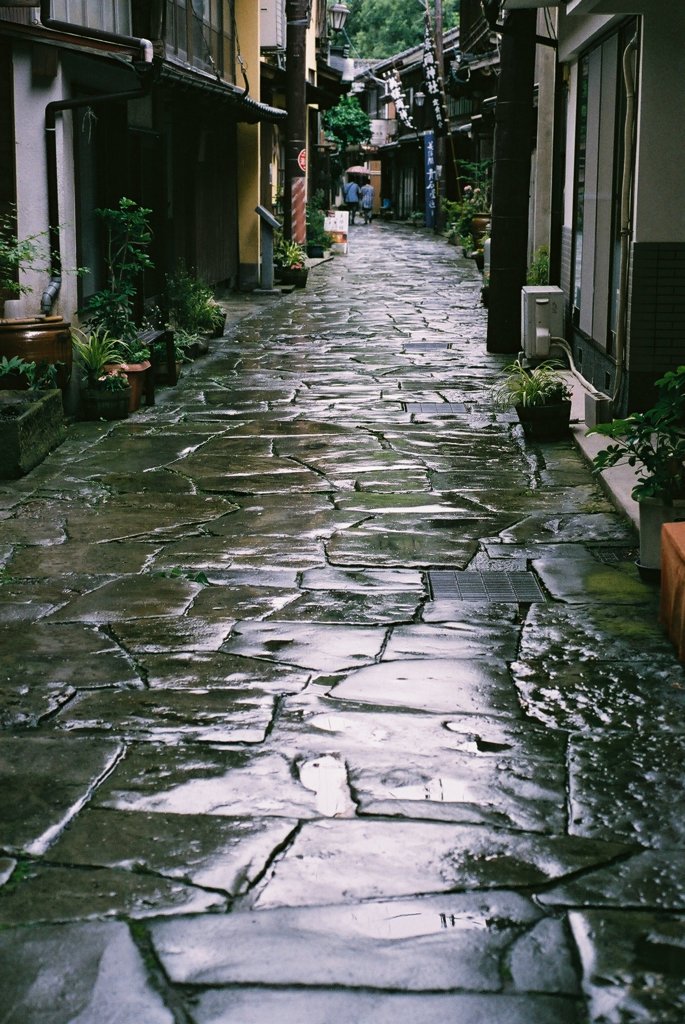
(327, 697)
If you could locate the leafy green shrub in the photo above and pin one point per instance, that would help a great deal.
(527, 387)
(190, 305)
(538, 271)
(127, 239)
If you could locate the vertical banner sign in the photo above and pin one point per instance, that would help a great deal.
(433, 78)
(401, 109)
(429, 177)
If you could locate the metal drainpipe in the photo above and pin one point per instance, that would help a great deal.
(57, 106)
(626, 185)
(146, 51)
(145, 45)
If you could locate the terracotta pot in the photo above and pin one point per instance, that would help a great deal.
(480, 222)
(135, 373)
(98, 404)
(39, 339)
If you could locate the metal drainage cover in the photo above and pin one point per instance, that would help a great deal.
(485, 586)
(612, 556)
(427, 346)
(435, 408)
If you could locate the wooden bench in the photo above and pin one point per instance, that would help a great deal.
(161, 344)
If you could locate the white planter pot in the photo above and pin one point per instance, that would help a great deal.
(653, 514)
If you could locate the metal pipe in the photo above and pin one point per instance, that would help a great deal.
(144, 45)
(58, 106)
(626, 186)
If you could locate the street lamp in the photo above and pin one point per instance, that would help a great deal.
(337, 16)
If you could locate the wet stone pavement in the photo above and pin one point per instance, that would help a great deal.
(266, 758)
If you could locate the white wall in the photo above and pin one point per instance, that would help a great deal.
(660, 159)
(30, 101)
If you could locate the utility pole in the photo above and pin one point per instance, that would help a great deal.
(298, 13)
(440, 148)
(514, 126)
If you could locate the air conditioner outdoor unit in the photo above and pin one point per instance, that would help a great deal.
(542, 318)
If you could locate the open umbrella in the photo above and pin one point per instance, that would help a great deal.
(358, 169)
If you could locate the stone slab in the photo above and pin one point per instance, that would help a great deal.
(440, 685)
(261, 1006)
(344, 861)
(44, 781)
(433, 944)
(321, 647)
(45, 893)
(132, 597)
(651, 879)
(633, 965)
(218, 853)
(76, 974)
(628, 786)
(240, 782)
(204, 716)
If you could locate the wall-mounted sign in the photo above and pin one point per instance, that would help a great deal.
(302, 159)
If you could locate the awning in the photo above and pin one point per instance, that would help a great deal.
(244, 107)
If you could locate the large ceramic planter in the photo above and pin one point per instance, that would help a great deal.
(480, 224)
(653, 514)
(30, 427)
(99, 404)
(545, 422)
(39, 339)
(135, 373)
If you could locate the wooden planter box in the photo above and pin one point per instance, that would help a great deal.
(30, 427)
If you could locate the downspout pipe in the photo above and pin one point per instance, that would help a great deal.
(146, 56)
(46, 19)
(57, 107)
(625, 226)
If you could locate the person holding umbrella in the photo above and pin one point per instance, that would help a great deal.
(351, 196)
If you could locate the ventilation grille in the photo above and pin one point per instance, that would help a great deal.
(511, 587)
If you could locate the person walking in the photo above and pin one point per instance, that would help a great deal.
(351, 195)
(367, 195)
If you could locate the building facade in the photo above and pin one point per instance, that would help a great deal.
(616, 211)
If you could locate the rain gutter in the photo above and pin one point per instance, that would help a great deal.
(247, 109)
(57, 107)
(46, 19)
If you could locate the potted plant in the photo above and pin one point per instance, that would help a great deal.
(127, 237)
(106, 394)
(540, 397)
(318, 239)
(31, 420)
(290, 262)
(38, 339)
(652, 442)
(135, 363)
(189, 306)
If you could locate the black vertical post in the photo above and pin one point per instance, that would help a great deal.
(298, 15)
(514, 126)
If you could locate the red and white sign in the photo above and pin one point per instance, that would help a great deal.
(302, 159)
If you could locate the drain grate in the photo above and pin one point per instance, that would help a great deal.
(435, 408)
(511, 587)
(611, 556)
(427, 346)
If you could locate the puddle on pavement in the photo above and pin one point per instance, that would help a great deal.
(327, 777)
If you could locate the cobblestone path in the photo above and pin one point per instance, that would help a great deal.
(327, 698)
